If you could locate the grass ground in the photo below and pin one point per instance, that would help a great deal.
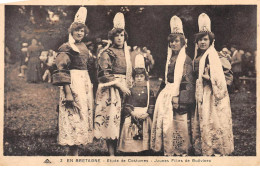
(30, 120)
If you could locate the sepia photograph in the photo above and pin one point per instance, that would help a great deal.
(129, 83)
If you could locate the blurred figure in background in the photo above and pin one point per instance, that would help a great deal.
(129, 48)
(135, 48)
(149, 62)
(241, 51)
(34, 63)
(23, 56)
(233, 49)
(51, 57)
(248, 68)
(7, 56)
(236, 61)
(134, 53)
(49, 66)
(226, 53)
(44, 59)
(248, 64)
(40, 45)
(225, 59)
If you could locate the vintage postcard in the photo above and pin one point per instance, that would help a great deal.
(138, 83)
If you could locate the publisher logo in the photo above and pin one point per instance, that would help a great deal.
(47, 161)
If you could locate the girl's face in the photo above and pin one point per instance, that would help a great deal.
(119, 39)
(204, 43)
(176, 44)
(34, 42)
(78, 35)
(139, 78)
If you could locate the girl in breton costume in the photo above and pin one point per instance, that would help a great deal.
(137, 111)
(170, 129)
(212, 122)
(76, 97)
(115, 79)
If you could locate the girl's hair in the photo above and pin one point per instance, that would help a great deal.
(75, 26)
(200, 35)
(173, 36)
(140, 71)
(114, 32)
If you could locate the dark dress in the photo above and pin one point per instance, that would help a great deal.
(109, 99)
(75, 128)
(171, 131)
(23, 55)
(34, 64)
(136, 132)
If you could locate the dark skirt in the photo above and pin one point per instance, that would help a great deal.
(34, 70)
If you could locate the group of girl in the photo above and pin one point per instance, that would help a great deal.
(190, 116)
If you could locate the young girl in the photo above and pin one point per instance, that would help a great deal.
(137, 112)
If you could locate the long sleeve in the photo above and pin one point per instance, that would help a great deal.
(151, 104)
(105, 68)
(61, 76)
(187, 88)
(92, 68)
(128, 106)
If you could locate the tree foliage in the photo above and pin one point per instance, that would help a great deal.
(146, 25)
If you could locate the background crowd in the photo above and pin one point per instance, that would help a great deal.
(40, 68)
